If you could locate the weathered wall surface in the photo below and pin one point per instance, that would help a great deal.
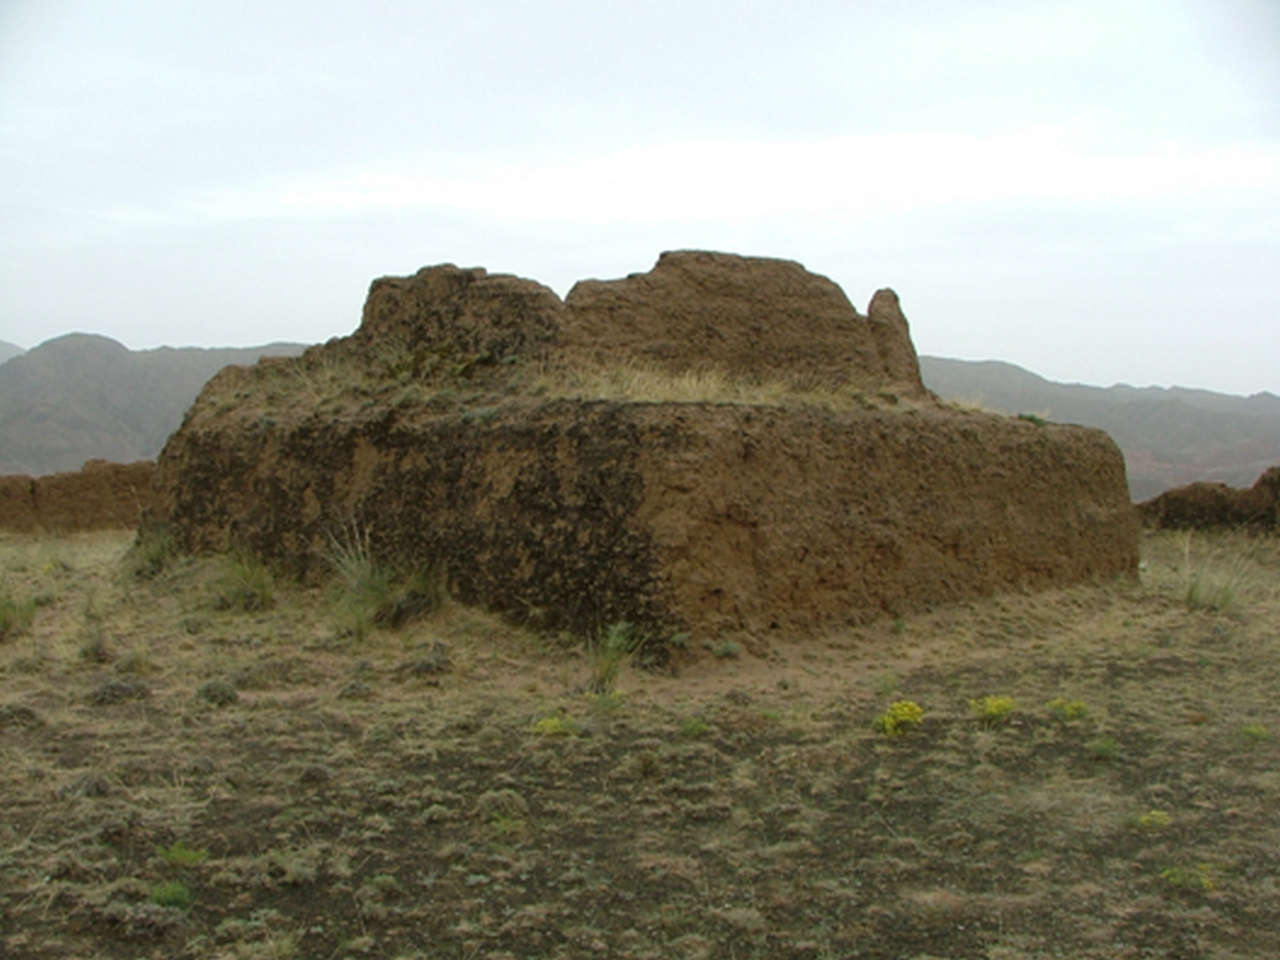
(1204, 505)
(99, 496)
(708, 517)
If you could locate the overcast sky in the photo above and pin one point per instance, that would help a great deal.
(1089, 189)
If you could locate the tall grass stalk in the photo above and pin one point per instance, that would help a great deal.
(15, 615)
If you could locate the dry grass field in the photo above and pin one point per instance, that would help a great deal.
(198, 760)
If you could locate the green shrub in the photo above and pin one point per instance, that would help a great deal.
(1152, 820)
(992, 710)
(1067, 710)
(693, 726)
(901, 716)
(1201, 876)
(727, 650)
(555, 725)
(178, 854)
(172, 893)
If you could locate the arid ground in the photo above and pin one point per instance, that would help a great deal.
(198, 760)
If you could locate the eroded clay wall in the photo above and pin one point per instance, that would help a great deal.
(99, 496)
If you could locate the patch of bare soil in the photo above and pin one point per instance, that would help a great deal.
(205, 761)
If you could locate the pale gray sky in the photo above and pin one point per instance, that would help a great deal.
(1090, 189)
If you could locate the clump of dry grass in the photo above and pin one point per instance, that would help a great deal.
(1215, 571)
(16, 613)
(159, 818)
(372, 593)
(640, 383)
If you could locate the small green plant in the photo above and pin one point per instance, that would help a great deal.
(1153, 820)
(1104, 748)
(887, 683)
(608, 653)
(172, 893)
(178, 854)
(901, 716)
(1200, 876)
(693, 726)
(727, 650)
(1067, 710)
(15, 615)
(1033, 418)
(555, 725)
(992, 710)
(1252, 733)
(150, 553)
(246, 584)
(218, 692)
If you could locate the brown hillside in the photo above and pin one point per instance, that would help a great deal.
(1204, 505)
(476, 421)
(99, 496)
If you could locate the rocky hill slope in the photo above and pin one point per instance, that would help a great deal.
(1169, 437)
(8, 350)
(720, 446)
(81, 397)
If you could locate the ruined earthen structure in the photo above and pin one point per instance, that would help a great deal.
(462, 424)
(99, 496)
(1198, 506)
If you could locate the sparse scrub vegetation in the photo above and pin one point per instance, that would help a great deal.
(474, 794)
(178, 854)
(1219, 572)
(992, 710)
(245, 584)
(556, 725)
(15, 614)
(172, 893)
(149, 553)
(1067, 710)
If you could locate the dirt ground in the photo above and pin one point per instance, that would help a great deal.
(198, 761)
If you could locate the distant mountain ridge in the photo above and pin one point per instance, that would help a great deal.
(1169, 436)
(83, 396)
(8, 350)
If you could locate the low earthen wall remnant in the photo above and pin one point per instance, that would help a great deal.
(1199, 506)
(99, 496)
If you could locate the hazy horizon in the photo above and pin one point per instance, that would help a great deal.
(1087, 190)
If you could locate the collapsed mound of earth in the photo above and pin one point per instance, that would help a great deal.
(98, 496)
(1205, 505)
(722, 445)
